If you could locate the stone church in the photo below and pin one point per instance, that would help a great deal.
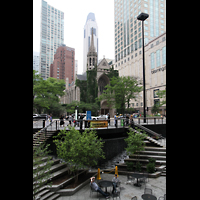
(73, 92)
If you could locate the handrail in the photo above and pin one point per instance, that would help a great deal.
(149, 131)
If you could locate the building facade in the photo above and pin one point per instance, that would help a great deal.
(64, 64)
(36, 60)
(128, 45)
(51, 36)
(90, 23)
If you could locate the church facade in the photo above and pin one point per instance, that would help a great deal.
(102, 70)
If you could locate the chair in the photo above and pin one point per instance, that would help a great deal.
(92, 190)
(129, 179)
(160, 198)
(147, 191)
(134, 198)
(115, 195)
(146, 177)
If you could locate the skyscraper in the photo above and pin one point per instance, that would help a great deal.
(90, 23)
(128, 30)
(51, 36)
(128, 46)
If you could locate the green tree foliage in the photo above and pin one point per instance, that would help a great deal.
(46, 92)
(120, 91)
(77, 149)
(41, 172)
(135, 141)
(162, 94)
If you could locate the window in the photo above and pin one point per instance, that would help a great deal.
(152, 61)
(158, 58)
(164, 55)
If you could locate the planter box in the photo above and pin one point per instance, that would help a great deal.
(71, 191)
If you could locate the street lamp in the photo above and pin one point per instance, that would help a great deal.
(143, 17)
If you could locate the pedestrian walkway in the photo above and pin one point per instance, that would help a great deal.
(158, 186)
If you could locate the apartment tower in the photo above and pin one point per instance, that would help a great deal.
(51, 36)
(64, 64)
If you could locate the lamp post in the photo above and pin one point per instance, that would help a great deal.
(143, 17)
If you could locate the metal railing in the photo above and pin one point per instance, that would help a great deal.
(121, 123)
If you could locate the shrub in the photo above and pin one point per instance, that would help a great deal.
(129, 166)
(151, 167)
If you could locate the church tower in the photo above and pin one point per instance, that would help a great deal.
(92, 55)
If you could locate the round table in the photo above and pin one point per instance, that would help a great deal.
(105, 184)
(136, 175)
(148, 197)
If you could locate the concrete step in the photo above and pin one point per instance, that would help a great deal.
(161, 162)
(56, 161)
(148, 156)
(54, 168)
(163, 149)
(55, 196)
(47, 195)
(159, 153)
(42, 193)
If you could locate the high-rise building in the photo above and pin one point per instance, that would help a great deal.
(51, 36)
(128, 45)
(36, 61)
(64, 64)
(90, 23)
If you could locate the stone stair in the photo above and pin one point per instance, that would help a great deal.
(57, 170)
(143, 157)
(41, 137)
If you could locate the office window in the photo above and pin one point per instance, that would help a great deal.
(158, 58)
(152, 61)
(164, 55)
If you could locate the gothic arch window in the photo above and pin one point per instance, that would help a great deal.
(93, 62)
(90, 61)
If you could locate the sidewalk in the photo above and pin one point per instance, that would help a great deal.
(158, 186)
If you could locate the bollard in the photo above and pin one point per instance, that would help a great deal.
(98, 175)
(116, 171)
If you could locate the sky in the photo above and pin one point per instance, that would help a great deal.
(75, 15)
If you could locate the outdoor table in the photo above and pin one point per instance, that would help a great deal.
(105, 184)
(136, 175)
(148, 197)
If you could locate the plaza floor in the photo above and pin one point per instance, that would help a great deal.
(158, 186)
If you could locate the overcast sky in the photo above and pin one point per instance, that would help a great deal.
(75, 15)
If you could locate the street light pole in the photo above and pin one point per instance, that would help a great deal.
(143, 17)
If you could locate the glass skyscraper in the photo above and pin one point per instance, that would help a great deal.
(90, 23)
(128, 30)
(51, 36)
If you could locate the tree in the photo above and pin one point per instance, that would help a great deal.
(41, 174)
(135, 143)
(120, 91)
(162, 94)
(46, 92)
(79, 150)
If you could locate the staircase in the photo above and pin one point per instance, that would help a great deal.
(150, 152)
(57, 170)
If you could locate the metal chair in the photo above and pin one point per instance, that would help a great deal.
(134, 198)
(160, 198)
(147, 191)
(115, 195)
(129, 179)
(92, 190)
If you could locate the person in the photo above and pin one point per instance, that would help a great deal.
(127, 119)
(81, 121)
(50, 118)
(132, 122)
(70, 119)
(115, 120)
(61, 121)
(115, 180)
(97, 188)
(108, 119)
